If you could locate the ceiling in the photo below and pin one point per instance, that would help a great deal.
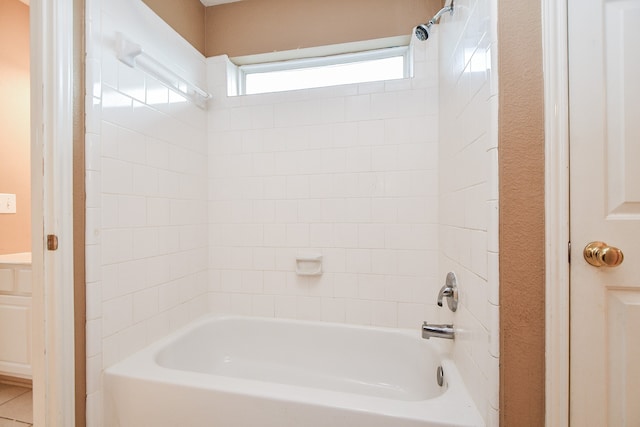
(216, 2)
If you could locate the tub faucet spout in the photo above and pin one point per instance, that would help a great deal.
(438, 331)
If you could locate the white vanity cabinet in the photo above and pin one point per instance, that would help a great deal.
(15, 315)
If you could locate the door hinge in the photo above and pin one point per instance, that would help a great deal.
(52, 242)
(569, 251)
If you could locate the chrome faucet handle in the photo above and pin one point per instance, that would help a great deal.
(445, 292)
(450, 292)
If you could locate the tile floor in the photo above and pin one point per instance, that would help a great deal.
(15, 406)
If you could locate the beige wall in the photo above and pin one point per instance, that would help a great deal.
(79, 219)
(250, 27)
(184, 16)
(15, 229)
(522, 244)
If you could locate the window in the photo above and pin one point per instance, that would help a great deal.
(369, 66)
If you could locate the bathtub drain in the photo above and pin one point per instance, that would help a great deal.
(440, 376)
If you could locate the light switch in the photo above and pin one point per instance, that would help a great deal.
(7, 203)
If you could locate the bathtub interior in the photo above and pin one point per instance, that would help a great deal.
(373, 362)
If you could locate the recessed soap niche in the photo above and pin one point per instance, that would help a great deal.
(309, 264)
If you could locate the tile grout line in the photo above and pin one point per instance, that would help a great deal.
(25, 423)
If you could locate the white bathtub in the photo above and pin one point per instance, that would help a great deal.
(255, 372)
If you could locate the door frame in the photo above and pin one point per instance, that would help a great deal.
(52, 196)
(557, 302)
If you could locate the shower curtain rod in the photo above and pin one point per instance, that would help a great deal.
(131, 54)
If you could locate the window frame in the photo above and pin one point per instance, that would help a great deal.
(325, 61)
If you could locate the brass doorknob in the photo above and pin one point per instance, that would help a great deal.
(599, 254)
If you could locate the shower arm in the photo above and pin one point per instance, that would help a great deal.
(437, 16)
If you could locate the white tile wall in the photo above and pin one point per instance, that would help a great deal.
(146, 162)
(468, 200)
(350, 172)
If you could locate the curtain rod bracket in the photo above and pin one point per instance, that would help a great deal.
(127, 51)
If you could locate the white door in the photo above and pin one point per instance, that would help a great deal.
(604, 96)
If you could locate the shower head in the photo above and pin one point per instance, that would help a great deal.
(422, 31)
